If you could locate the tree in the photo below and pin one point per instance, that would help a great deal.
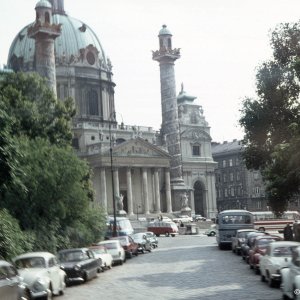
(272, 121)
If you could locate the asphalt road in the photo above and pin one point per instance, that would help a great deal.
(185, 267)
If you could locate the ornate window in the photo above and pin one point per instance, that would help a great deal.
(92, 101)
(196, 150)
(47, 17)
(90, 57)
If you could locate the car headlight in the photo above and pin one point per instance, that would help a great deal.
(77, 268)
(39, 285)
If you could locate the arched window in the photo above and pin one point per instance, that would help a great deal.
(169, 43)
(160, 43)
(47, 17)
(92, 100)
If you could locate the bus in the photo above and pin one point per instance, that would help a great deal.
(268, 221)
(228, 222)
(124, 226)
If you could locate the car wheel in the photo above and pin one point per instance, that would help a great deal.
(262, 278)
(271, 281)
(121, 262)
(49, 294)
(26, 295)
(212, 234)
(167, 234)
(130, 254)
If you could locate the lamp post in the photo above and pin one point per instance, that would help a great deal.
(114, 233)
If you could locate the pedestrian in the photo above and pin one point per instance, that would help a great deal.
(288, 233)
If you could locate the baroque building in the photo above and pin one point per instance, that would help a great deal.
(149, 171)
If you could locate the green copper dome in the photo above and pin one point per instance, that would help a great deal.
(75, 36)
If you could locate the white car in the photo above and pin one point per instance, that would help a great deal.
(42, 274)
(290, 277)
(183, 219)
(102, 253)
(116, 250)
(278, 255)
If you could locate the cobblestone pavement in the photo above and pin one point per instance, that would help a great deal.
(183, 268)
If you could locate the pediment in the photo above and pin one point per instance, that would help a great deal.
(196, 135)
(139, 148)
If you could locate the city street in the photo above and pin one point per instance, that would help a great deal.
(185, 267)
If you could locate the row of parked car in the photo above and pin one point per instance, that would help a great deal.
(40, 275)
(275, 260)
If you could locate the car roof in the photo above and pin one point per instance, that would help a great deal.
(246, 230)
(109, 242)
(284, 244)
(72, 250)
(33, 254)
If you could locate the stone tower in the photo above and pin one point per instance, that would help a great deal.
(166, 57)
(45, 32)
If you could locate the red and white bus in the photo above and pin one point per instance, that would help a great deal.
(267, 220)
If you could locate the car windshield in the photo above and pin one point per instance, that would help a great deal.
(72, 256)
(262, 243)
(282, 251)
(30, 262)
(98, 250)
(111, 245)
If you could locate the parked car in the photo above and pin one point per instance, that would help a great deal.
(80, 264)
(143, 242)
(12, 286)
(259, 249)
(211, 231)
(153, 239)
(198, 218)
(115, 248)
(239, 239)
(278, 255)
(162, 227)
(130, 247)
(183, 219)
(290, 277)
(41, 273)
(248, 244)
(102, 253)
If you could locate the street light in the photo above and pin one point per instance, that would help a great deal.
(114, 233)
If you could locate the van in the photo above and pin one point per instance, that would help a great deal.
(124, 227)
(162, 227)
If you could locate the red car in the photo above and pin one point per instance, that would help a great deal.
(128, 244)
(259, 248)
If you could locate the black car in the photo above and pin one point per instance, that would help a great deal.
(80, 264)
(144, 243)
(11, 286)
(250, 238)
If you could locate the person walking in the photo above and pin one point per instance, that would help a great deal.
(288, 233)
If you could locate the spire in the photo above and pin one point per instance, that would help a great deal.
(58, 7)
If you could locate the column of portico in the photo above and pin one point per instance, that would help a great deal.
(129, 191)
(103, 191)
(192, 201)
(116, 181)
(168, 191)
(157, 191)
(145, 191)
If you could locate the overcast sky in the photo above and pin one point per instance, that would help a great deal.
(222, 42)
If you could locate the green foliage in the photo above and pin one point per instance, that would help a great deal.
(12, 240)
(34, 109)
(44, 185)
(272, 121)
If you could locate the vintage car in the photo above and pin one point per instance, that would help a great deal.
(248, 244)
(106, 258)
(278, 255)
(239, 239)
(153, 239)
(198, 218)
(143, 242)
(41, 273)
(162, 227)
(130, 247)
(80, 264)
(183, 219)
(12, 286)
(259, 248)
(116, 250)
(211, 231)
(290, 277)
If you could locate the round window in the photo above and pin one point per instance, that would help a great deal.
(90, 58)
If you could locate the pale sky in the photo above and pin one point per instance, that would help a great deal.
(221, 41)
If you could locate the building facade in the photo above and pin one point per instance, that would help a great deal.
(236, 186)
(133, 164)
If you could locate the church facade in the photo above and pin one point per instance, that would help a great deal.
(151, 171)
